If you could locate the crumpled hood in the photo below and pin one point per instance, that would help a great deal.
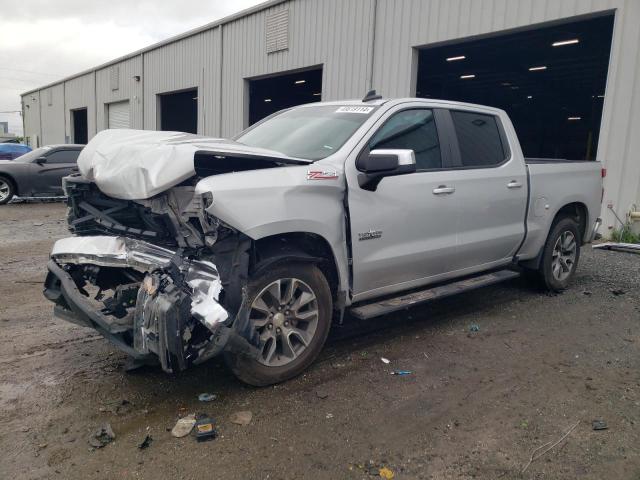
(138, 164)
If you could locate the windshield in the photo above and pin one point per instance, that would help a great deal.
(311, 133)
(32, 155)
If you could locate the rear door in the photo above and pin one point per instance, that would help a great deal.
(491, 190)
(404, 233)
(60, 163)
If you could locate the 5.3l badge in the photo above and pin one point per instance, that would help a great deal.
(370, 235)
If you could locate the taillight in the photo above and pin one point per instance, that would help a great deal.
(603, 172)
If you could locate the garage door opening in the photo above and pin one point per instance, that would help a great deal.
(268, 95)
(79, 122)
(551, 81)
(179, 111)
(118, 115)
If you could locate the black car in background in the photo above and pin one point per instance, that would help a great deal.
(38, 173)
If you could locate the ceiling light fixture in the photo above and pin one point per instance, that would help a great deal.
(298, 82)
(529, 96)
(572, 119)
(267, 100)
(535, 69)
(454, 59)
(317, 94)
(562, 43)
(464, 77)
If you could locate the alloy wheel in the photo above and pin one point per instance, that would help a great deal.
(285, 315)
(563, 258)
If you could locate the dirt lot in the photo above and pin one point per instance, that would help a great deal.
(476, 406)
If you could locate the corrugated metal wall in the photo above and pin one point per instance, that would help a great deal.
(331, 33)
(31, 118)
(189, 63)
(80, 93)
(128, 89)
(340, 36)
(52, 116)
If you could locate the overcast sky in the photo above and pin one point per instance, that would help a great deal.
(44, 40)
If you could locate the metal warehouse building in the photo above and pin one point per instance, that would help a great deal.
(567, 71)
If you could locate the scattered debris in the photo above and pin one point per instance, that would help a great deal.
(535, 457)
(207, 397)
(617, 292)
(205, 429)
(241, 418)
(329, 415)
(384, 472)
(599, 425)
(116, 406)
(102, 436)
(587, 293)
(183, 426)
(401, 372)
(38, 224)
(385, 360)
(474, 327)
(42, 446)
(320, 393)
(146, 442)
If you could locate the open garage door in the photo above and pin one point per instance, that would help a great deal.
(179, 111)
(118, 115)
(550, 80)
(79, 125)
(273, 93)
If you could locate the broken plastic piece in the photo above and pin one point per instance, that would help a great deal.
(207, 397)
(146, 442)
(386, 473)
(102, 436)
(401, 372)
(385, 360)
(241, 418)
(474, 327)
(599, 425)
(183, 426)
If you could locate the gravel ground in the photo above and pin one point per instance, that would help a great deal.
(477, 405)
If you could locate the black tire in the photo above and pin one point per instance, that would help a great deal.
(8, 184)
(564, 225)
(254, 372)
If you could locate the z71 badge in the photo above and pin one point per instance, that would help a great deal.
(370, 235)
(322, 175)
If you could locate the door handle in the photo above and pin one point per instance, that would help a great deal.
(514, 184)
(443, 190)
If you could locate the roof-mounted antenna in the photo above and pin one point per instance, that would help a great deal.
(371, 96)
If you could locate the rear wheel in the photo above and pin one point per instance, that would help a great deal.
(290, 309)
(7, 190)
(561, 254)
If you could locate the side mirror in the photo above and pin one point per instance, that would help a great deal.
(377, 164)
(41, 160)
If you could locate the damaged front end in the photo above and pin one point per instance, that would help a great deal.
(157, 304)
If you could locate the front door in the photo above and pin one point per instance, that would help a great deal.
(404, 233)
(60, 163)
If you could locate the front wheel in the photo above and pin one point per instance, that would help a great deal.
(290, 309)
(561, 254)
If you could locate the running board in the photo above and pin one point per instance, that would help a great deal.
(389, 305)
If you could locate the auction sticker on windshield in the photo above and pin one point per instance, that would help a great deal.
(364, 110)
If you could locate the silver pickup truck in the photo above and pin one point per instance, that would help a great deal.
(188, 247)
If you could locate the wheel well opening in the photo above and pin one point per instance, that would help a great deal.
(296, 244)
(578, 211)
(13, 182)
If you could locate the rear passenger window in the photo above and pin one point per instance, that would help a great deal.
(63, 156)
(411, 130)
(479, 139)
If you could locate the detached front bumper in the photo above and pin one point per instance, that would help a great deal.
(151, 302)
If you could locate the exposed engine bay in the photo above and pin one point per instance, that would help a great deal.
(154, 272)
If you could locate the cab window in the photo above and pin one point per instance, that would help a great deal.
(415, 130)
